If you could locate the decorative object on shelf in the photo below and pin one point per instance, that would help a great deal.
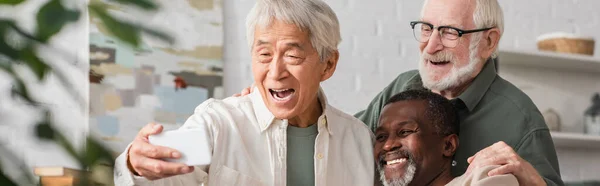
(552, 119)
(566, 43)
(592, 116)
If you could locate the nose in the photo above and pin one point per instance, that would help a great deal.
(392, 143)
(435, 43)
(277, 69)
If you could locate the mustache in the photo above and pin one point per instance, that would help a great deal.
(438, 56)
(401, 153)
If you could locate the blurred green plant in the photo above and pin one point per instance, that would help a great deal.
(51, 18)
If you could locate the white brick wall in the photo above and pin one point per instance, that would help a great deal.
(378, 45)
(377, 42)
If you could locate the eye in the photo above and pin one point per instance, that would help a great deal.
(265, 54)
(450, 33)
(295, 57)
(405, 132)
(381, 138)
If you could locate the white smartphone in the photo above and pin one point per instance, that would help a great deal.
(193, 144)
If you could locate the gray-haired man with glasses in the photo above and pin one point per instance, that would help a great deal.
(499, 124)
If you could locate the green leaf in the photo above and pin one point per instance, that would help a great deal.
(43, 130)
(4, 180)
(144, 4)
(39, 68)
(19, 89)
(6, 49)
(96, 153)
(52, 17)
(10, 2)
(124, 31)
(158, 34)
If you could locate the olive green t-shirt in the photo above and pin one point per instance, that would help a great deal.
(491, 109)
(300, 155)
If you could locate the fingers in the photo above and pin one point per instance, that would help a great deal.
(157, 169)
(504, 169)
(147, 159)
(144, 149)
(246, 91)
(150, 129)
(522, 170)
(497, 154)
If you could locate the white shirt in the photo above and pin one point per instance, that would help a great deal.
(249, 147)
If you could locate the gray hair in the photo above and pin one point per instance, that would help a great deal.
(488, 13)
(314, 16)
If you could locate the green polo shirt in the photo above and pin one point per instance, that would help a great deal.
(491, 110)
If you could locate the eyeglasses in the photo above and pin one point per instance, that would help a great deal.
(450, 35)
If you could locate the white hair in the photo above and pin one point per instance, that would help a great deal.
(313, 16)
(487, 14)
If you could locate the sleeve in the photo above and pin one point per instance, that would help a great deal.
(202, 117)
(370, 115)
(480, 178)
(537, 148)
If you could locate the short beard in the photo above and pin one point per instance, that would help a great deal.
(457, 75)
(408, 176)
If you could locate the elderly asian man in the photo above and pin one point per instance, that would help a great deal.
(284, 133)
(416, 139)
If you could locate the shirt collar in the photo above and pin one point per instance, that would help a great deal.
(265, 118)
(480, 85)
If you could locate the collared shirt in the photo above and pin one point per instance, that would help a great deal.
(491, 109)
(249, 147)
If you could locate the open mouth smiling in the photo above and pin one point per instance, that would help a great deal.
(282, 94)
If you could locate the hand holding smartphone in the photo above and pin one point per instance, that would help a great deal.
(193, 144)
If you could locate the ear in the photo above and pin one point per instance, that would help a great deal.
(330, 65)
(450, 145)
(490, 40)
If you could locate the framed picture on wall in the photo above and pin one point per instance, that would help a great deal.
(156, 82)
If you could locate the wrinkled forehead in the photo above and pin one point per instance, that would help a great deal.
(458, 13)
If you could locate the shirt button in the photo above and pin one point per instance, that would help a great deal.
(319, 156)
(323, 120)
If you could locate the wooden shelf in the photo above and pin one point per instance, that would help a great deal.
(575, 140)
(541, 59)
